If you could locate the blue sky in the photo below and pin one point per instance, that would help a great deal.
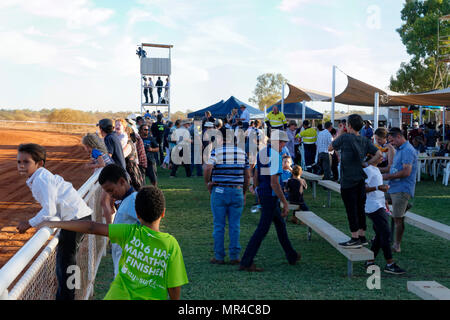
(81, 53)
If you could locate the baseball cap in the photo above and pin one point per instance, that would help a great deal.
(105, 123)
(279, 135)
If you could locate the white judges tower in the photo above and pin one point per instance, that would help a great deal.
(155, 64)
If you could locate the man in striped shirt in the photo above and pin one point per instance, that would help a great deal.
(227, 175)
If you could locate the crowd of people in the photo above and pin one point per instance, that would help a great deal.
(234, 155)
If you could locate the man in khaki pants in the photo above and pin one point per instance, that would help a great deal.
(402, 181)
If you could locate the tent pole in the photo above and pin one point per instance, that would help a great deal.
(375, 112)
(282, 98)
(420, 115)
(303, 110)
(333, 87)
(400, 117)
(443, 124)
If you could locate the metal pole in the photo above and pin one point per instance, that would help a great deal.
(420, 115)
(303, 111)
(375, 111)
(333, 87)
(282, 98)
(400, 117)
(443, 123)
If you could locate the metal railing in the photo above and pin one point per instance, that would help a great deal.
(37, 281)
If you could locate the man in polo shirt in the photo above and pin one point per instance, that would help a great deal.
(267, 178)
(227, 176)
(402, 181)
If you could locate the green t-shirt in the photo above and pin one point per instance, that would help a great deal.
(151, 262)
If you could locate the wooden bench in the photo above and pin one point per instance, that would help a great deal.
(434, 227)
(312, 177)
(334, 237)
(428, 290)
(426, 224)
(331, 186)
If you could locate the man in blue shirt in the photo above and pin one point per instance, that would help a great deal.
(367, 130)
(267, 178)
(402, 181)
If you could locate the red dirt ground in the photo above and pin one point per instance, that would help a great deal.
(65, 157)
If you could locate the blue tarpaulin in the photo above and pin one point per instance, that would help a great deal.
(222, 109)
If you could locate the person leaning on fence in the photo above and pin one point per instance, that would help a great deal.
(151, 266)
(402, 181)
(267, 178)
(59, 201)
(354, 149)
(113, 180)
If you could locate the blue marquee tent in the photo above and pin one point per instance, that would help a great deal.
(222, 109)
(201, 113)
(294, 111)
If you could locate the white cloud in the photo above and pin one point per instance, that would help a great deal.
(33, 31)
(288, 5)
(75, 13)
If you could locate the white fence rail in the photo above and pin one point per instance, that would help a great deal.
(38, 280)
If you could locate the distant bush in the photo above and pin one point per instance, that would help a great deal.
(60, 115)
(70, 115)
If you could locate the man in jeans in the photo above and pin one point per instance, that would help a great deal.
(227, 175)
(267, 178)
(402, 181)
(324, 140)
(354, 149)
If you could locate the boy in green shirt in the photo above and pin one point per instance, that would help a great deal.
(151, 266)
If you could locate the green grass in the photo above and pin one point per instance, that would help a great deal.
(322, 272)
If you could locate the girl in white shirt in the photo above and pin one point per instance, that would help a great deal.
(60, 202)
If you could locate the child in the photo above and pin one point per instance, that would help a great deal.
(375, 210)
(295, 187)
(97, 151)
(114, 182)
(59, 201)
(286, 173)
(151, 266)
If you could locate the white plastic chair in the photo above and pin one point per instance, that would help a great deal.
(446, 174)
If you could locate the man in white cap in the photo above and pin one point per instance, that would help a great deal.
(267, 178)
(245, 117)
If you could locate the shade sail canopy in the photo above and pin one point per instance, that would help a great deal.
(222, 109)
(359, 93)
(297, 94)
(295, 110)
(431, 98)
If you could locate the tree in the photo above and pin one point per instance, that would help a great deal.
(268, 89)
(419, 35)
